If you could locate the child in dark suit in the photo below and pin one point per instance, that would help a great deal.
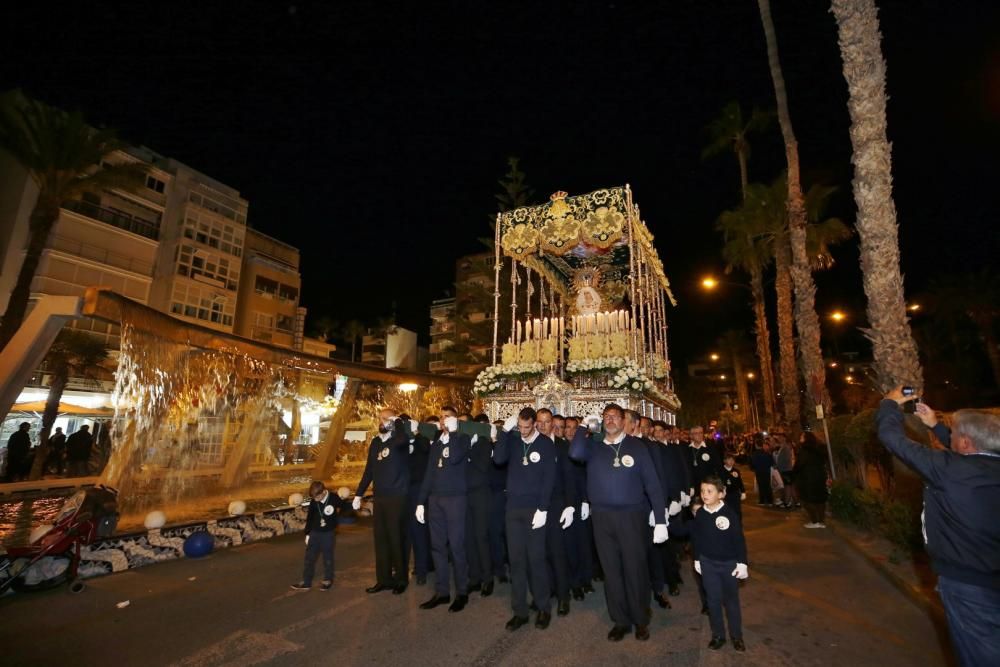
(321, 523)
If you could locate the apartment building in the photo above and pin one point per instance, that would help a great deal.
(442, 336)
(268, 298)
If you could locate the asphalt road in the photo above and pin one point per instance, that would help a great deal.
(810, 600)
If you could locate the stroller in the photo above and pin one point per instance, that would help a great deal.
(53, 557)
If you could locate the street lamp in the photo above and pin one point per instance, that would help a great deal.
(722, 377)
(713, 356)
(750, 376)
(709, 283)
(913, 307)
(838, 316)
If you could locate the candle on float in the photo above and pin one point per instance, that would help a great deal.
(518, 330)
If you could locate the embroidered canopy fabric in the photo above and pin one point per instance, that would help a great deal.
(567, 234)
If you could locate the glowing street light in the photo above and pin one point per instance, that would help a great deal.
(713, 356)
(722, 377)
(838, 316)
(750, 376)
(913, 307)
(850, 379)
(833, 364)
(709, 283)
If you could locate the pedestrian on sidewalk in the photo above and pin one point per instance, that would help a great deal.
(960, 527)
(720, 557)
(321, 523)
(784, 461)
(762, 464)
(810, 479)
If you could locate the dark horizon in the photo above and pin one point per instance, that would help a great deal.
(358, 133)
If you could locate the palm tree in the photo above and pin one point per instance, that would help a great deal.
(806, 320)
(748, 248)
(893, 347)
(734, 344)
(73, 354)
(728, 132)
(352, 331)
(65, 158)
(515, 193)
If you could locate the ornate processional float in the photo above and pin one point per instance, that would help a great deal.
(588, 300)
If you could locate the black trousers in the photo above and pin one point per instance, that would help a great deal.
(765, 495)
(580, 547)
(446, 517)
(671, 560)
(722, 591)
(621, 546)
(527, 558)
(418, 537)
(320, 543)
(498, 532)
(477, 534)
(657, 557)
(556, 548)
(389, 527)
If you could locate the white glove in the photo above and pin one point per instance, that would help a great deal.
(584, 511)
(493, 432)
(674, 509)
(685, 499)
(307, 540)
(414, 427)
(741, 571)
(475, 439)
(660, 533)
(356, 504)
(566, 518)
(652, 519)
(451, 424)
(420, 513)
(593, 423)
(538, 520)
(510, 423)
(743, 496)
(697, 566)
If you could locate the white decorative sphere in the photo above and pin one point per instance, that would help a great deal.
(38, 532)
(155, 519)
(295, 499)
(344, 492)
(237, 507)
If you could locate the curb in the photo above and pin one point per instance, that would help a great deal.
(931, 605)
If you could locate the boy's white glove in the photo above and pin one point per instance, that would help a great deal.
(674, 509)
(451, 423)
(510, 423)
(741, 571)
(566, 518)
(697, 566)
(660, 533)
(356, 504)
(584, 511)
(307, 540)
(420, 513)
(538, 520)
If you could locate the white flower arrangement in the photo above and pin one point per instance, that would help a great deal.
(631, 377)
(490, 379)
(595, 365)
(658, 368)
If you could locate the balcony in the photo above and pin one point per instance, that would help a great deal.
(114, 218)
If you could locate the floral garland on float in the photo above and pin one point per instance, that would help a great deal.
(494, 379)
(593, 366)
(631, 377)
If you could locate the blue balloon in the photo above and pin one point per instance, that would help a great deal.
(198, 544)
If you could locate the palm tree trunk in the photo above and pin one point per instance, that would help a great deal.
(786, 336)
(806, 320)
(742, 392)
(893, 347)
(43, 218)
(56, 389)
(763, 345)
(741, 157)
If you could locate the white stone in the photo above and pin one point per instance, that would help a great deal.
(345, 492)
(295, 499)
(237, 507)
(155, 519)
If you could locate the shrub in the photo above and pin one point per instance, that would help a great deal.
(868, 510)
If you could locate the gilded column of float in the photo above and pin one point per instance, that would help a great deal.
(496, 289)
(632, 267)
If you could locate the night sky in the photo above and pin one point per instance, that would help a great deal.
(372, 135)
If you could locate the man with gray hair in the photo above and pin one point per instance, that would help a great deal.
(961, 506)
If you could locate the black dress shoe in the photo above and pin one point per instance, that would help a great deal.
(503, 579)
(717, 643)
(662, 600)
(578, 593)
(704, 610)
(399, 589)
(543, 620)
(421, 580)
(675, 590)
(377, 588)
(476, 587)
(739, 645)
(587, 588)
(617, 633)
(487, 589)
(436, 601)
(642, 632)
(516, 622)
(563, 607)
(459, 603)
